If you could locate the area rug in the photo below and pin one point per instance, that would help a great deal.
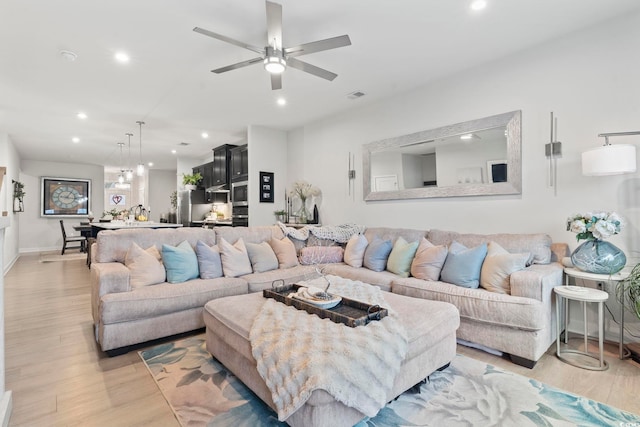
(66, 257)
(201, 392)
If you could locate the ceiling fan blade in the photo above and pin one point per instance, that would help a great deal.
(311, 69)
(274, 25)
(238, 65)
(318, 46)
(229, 40)
(276, 81)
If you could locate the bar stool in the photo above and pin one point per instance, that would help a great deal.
(585, 295)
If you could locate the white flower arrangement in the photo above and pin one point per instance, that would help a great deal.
(304, 190)
(595, 225)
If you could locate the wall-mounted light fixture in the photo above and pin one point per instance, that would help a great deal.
(610, 159)
(553, 150)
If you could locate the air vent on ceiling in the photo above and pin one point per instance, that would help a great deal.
(183, 144)
(355, 95)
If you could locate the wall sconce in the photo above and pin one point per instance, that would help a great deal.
(610, 159)
(552, 151)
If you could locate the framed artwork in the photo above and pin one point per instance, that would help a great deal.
(65, 197)
(497, 170)
(266, 187)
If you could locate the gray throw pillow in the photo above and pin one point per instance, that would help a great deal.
(208, 260)
(377, 253)
(262, 257)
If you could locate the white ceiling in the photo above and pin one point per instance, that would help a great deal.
(396, 45)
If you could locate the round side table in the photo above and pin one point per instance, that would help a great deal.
(584, 295)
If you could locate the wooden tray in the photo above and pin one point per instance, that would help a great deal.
(348, 312)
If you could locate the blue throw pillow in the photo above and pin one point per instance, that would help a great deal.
(209, 262)
(180, 262)
(376, 254)
(462, 266)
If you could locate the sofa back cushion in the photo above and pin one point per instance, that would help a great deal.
(112, 245)
(538, 245)
(388, 233)
(249, 234)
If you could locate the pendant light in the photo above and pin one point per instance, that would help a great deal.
(140, 169)
(121, 176)
(129, 170)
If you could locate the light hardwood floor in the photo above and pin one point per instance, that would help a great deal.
(60, 378)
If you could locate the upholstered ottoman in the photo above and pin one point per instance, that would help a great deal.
(431, 330)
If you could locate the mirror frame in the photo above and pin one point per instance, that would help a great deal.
(512, 122)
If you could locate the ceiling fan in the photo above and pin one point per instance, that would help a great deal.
(276, 58)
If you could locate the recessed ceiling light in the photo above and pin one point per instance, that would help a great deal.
(205, 135)
(121, 57)
(478, 4)
(174, 151)
(150, 164)
(81, 115)
(467, 136)
(68, 55)
(281, 101)
(75, 139)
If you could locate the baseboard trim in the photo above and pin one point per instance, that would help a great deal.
(6, 407)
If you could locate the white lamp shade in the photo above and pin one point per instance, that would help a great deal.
(609, 160)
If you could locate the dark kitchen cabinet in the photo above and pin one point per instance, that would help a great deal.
(240, 163)
(220, 167)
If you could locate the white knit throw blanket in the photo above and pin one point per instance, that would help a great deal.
(297, 352)
(338, 233)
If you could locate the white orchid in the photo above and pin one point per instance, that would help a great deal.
(303, 190)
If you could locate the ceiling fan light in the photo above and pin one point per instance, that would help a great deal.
(275, 64)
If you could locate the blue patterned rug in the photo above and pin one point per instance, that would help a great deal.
(202, 392)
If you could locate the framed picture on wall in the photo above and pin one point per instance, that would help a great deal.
(266, 187)
(497, 170)
(65, 197)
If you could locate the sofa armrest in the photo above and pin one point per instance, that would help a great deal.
(109, 277)
(537, 281)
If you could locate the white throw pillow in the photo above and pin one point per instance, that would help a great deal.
(354, 251)
(428, 261)
(235, 259)
(145, 266)
(497, 268)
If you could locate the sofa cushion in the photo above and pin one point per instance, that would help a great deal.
(428, 261)
(354, 251)
(401, 256)
(145, 266)
(259, 281)
(249, 234)
(377, 254)
(235, 260)
(462, 266)
(209, 262)
(498, 266)
(478, 304)
(285, 252)
(389, 233)
(165, 298)
(321, 255)
(262, 257)
(539, 245)
(381, 279)
(180, 262)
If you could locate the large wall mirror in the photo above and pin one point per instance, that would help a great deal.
(474, 158)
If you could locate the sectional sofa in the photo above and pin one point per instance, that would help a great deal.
(126, 312)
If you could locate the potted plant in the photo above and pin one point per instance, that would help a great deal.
(191, 182)
(628, 291)
(281, 215)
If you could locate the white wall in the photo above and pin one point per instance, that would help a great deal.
(161, 184)
(267, 153)
(43, 234)
(9, 158)
(589, 79)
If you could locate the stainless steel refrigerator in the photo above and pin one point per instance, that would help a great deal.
(192, 208)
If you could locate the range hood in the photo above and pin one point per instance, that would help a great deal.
(218, 189)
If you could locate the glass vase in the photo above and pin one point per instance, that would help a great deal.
(599, 257)
(303, 213)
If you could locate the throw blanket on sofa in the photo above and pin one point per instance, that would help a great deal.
(339, 233)
(297, 352)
